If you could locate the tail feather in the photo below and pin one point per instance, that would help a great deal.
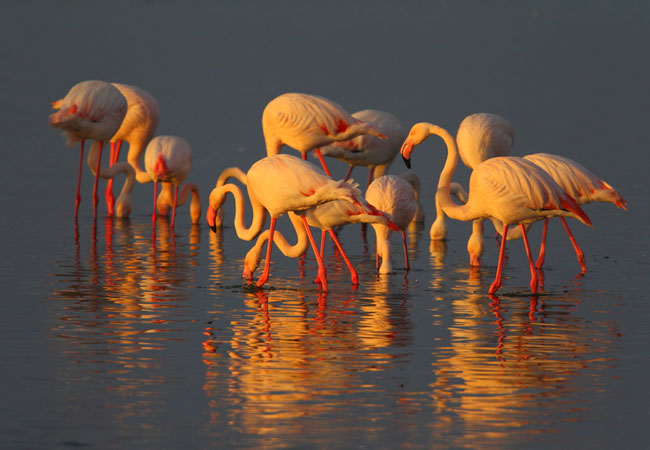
(568, 203)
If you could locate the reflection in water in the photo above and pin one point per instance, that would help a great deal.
(510, 365)
(294, 354)
(120, 301)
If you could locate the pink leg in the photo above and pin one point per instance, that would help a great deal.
(174, 208)
(322, 272)
(95, 196)
(322, 161)
(323, 238)
(347, 175)
(576, 247)
(267, 265)
(353, 272)
(108, 193)
(78, 195)
(542, 247)
(155, 195)
(533, 274)
(496, 284)
(406, 253)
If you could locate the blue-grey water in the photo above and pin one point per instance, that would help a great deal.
(113, 338)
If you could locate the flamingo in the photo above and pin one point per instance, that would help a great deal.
(576, 180)
(325, 216)
(308, 122)
(168, 159)
(368, 150)
(480, 136)
(280, 184)
(395, 197)
(510, 189)
(137, 128)
(90, 110)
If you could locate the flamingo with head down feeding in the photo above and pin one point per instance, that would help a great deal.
(280, 184)
(137, 129)
(90, 110)
(369, 150)
(168, 159)
(395, 197)
(308, 122)
(325, 216)
(510, 189)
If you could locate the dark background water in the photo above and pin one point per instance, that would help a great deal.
(112, 339)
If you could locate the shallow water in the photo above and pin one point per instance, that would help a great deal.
(116, 337)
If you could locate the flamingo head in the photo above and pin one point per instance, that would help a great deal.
(419, 132)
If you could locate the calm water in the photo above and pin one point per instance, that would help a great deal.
(113, 337)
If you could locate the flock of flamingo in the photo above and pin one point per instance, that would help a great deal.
(511, 191)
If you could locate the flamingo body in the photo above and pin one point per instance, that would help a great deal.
(483, 136)
(395, 197)
(168, 159)
(90, 110)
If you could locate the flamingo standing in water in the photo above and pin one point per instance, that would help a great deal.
(137, 128)
(280, 184)
(90, 110)
(368, 150)
(395, 197)
(510, 189)
(168, 159)
(325, 216)
(576, 180)
(308, 122)
(480, 136)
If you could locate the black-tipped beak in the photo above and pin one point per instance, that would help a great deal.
(213, 228)
(407, 161)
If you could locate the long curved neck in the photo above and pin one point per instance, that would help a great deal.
(443, 196)
(259, 212)
(195, 205)
(112, 171)
(287, 249)
(136, 148)
(232, 172)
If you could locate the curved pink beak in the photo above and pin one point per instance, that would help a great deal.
(210, 217)
(405, 151)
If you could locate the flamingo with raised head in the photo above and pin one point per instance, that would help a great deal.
(369, 150)
(137, 129)
(90, 110)
(168, 159)
(308, 122)
(510, 189)
(480, 136)
(395, 197)
(282, 183)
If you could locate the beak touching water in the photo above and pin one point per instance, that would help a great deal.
(210, 217)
